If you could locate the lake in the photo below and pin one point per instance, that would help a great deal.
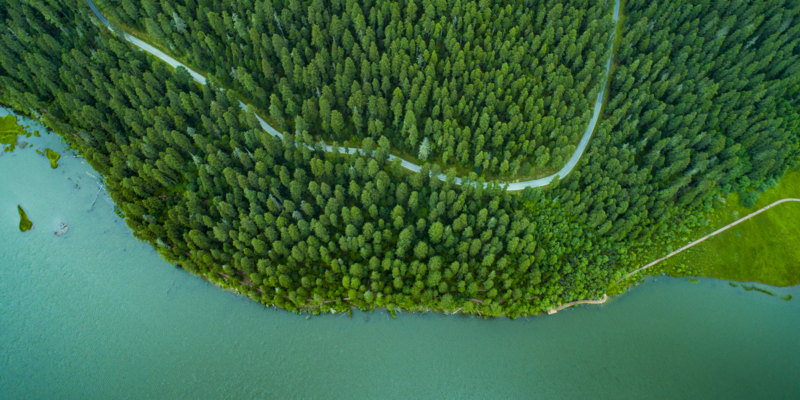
(97, 314)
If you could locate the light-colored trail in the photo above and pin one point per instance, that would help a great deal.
(515, 186)
(698, 241)
(575, 303)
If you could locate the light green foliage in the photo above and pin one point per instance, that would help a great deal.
(24, 223)
(9, 131)
(760, 249)
(53, 157)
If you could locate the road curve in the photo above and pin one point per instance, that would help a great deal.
(698, 241)
(515, 186)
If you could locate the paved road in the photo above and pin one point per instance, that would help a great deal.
(698, 241)
(568, 167)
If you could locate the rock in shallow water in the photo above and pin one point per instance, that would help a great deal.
(62, 230)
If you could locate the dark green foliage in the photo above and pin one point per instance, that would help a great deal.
(699, 104)
(704, 100)
(507, 86)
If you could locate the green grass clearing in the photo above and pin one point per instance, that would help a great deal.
(764, 249)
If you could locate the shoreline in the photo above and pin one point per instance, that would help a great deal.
(306, 308)
(708, 236)
(549, 311)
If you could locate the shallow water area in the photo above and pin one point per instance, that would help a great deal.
(97, 314)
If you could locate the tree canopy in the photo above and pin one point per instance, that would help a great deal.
(703, 102)
(502, 87)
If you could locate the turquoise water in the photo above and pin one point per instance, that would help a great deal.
(97, 314)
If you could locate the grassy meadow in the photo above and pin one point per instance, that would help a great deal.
(764, 249)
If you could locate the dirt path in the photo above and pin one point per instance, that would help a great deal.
(575, 303)
(720, 230)
(696, 242)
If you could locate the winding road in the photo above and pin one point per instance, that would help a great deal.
(515, 186)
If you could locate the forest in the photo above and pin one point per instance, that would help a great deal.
(703, 102)
(497, 88)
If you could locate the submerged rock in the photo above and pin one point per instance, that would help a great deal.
(62, 230)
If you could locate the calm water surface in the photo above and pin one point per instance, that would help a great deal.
(97, 314)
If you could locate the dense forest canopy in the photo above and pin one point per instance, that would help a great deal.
(505, 86)
(703, 102)
(709, 93)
